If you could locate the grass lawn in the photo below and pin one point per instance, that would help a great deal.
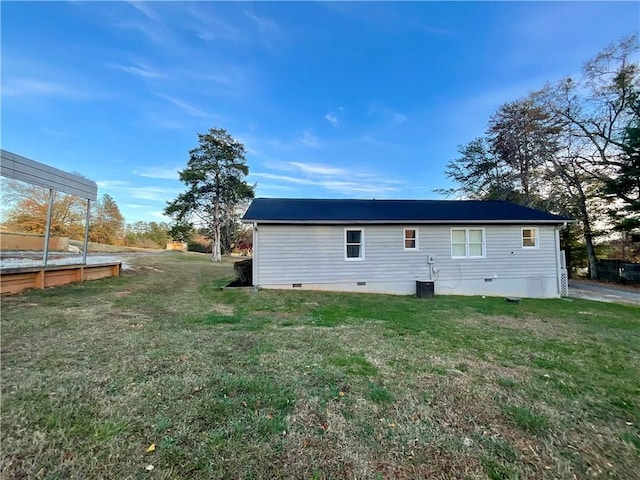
(295, 384)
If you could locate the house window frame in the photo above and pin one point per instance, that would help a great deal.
(467, 242)
(405, 238)
(536, 238)
(361, 244)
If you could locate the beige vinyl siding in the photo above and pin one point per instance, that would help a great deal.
(302, 254)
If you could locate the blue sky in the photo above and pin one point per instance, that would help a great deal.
(331, 100)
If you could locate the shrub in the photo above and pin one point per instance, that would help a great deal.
(194, 246)
(244, 271)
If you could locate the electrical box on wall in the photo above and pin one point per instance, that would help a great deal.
(430, 259)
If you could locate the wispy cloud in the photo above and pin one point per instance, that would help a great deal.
(304, 139)
(157, 194)
(370, 139)
(151, 32)
(139, 69)
(186, 107)
(265, 188)
(317, 169)
(387, 114)
(308, 139)
(264, 23)
(229, 79)
(333, 179)
(332, 119)
(398, 118)
(145, 9)
(112, 184)
(151, 193)
(208, 25)
(165, 173)
(32, 87)
(283, 178)
(158, 214)
(269, 33)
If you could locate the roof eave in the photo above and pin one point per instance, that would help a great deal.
(404, 222)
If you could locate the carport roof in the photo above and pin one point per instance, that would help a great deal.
(24, 169)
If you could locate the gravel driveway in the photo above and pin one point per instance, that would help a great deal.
(604, 292)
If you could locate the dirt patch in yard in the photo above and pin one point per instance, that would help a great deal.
(535, 325)
(222, 309)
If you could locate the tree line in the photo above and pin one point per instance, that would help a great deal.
(27, 213)
(571, 147)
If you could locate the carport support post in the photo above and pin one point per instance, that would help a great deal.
(48, 227)
(86, 233)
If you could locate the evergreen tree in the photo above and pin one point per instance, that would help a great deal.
(215, 180)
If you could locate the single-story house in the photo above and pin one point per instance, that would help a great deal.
(465, 247)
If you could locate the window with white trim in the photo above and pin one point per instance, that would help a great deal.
(353, 244)
(467, 243)
(410, 239)
(530, 238)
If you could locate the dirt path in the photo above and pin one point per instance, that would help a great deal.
(604, 293)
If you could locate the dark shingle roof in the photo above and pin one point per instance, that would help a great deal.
(307, 210)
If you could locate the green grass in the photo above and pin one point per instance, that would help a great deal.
(526, 419)
(300, 384)
(379, 394)
(354, 365)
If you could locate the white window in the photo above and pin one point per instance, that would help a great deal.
(467, 243)
(529, 238)
(353, 244)
(410, 239)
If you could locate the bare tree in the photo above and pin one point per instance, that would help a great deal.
(592, 114)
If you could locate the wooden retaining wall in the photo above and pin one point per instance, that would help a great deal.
(31, 241)
(181, 246)
(15, 280)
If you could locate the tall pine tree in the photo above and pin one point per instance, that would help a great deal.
(215, 180)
